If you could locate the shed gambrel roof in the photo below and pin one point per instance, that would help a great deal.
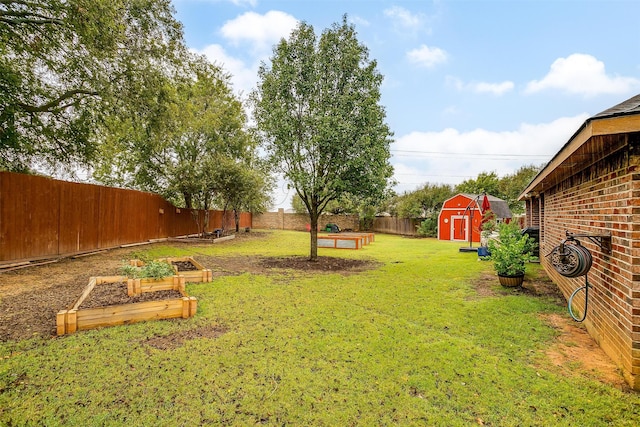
(598, 136)
(498, 206)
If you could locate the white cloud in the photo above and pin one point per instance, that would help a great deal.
(451, 156)
(493, 88)
(359, 21)
(481, 87)
(243, 76)
(582, 74)
(260, 31)
(427, 57)
(404, 19)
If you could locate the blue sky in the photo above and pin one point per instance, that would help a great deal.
(470, 86)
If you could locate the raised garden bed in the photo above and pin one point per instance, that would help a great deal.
(186, 267)
(340, 242)
(366, 238)
(197, 239)
(173, 302)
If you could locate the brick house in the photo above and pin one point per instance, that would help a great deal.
(591, 188)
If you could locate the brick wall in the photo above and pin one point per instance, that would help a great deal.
(602, 198)
(291, 221)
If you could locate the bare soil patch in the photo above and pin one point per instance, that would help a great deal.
(176, 340)
(107, 294)
(540, 285)
(574, 352)
(184, 265)
(31, 297)
(223, 266)
(322, 264)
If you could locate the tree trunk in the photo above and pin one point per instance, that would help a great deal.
(188, 200)
(236, 217)
(205, 223)
(314, 237)
(195, 214)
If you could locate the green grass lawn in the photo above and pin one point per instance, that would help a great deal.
(407, 343)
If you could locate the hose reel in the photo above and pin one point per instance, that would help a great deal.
(571, 259)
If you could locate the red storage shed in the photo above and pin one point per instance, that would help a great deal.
(464, 209)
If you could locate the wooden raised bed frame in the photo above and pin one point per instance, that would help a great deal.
(77, 319)
(202, 274)
(345, 240)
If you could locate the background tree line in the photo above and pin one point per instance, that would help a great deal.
(426, 201)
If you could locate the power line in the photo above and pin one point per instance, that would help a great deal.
(431, 175)
(492, 156)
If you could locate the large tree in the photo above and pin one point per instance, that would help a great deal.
(199, 124)
(189, 152)
(67, 65)
(317, 107)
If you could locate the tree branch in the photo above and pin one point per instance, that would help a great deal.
(27, 17)
(42, 21)
(49, 106)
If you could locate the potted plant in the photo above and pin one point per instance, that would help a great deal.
(510, 252)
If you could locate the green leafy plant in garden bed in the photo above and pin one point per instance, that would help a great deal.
(151, 269)
(408, 342)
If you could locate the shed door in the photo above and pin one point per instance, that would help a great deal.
(459, 227)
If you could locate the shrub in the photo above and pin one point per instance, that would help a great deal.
(511, 250)
(428, 227)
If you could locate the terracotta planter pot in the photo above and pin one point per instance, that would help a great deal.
(511, 281)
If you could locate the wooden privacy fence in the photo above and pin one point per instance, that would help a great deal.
(42, 217)
(394, 225)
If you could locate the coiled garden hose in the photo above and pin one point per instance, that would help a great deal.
(571, 259)
(586, 300)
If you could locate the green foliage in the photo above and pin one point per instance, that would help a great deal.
(486, 182)
(510, 186)
(199, 129)
(283, 348)
(511, 251)
(343, 205)
(424, 202)
(317, 109)
(68, 67)
(489, 224)
(507, 188)
(429, 227)
(198, 153)
(241, 188)
(151, 269)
